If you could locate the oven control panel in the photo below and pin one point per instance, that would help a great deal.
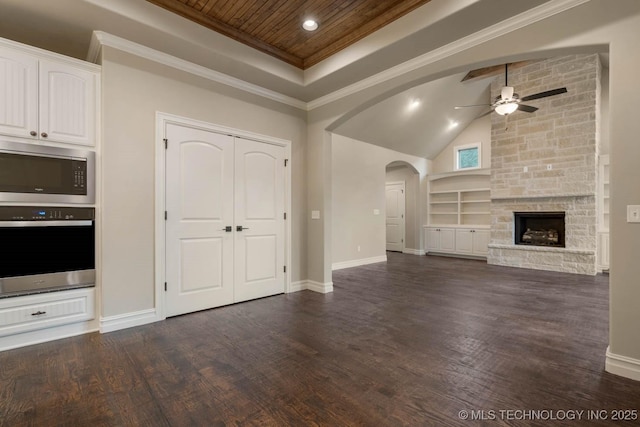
(45, 213)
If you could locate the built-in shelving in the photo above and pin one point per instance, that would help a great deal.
(460, 199)
(603, 213)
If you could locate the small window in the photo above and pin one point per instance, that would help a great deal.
(467, 156)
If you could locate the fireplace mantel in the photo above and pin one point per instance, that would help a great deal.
(543, 196)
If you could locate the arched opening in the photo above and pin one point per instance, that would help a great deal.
(402, 213)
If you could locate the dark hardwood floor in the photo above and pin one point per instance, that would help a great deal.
(410, 342)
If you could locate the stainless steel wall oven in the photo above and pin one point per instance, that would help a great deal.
(46, 248)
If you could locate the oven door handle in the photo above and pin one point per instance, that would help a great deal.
(39, 223)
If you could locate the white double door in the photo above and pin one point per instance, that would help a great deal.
(225, 232)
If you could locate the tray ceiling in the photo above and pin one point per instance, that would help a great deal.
(275, 27)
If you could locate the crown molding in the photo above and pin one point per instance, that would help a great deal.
(551, 8)
(507, 26)
(100, 39)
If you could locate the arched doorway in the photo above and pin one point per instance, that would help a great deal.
(402, 214)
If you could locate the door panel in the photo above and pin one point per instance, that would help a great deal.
(199, 200)
(202, 163)
(259, 209)
(262, 268)
(67, 98)
(395, 216)
(260, 184)
(200, 264)
(18, 93)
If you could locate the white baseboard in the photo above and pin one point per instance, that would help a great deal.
(323, 288)
(48, 334)
(413, 251)
(297, 286)
(622, 365)
(358, 262)
(128, 320)
(310, 285)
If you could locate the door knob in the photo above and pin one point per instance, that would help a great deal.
(240, 228)
(228, 229)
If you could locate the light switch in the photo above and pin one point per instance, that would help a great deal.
(315, 214)
(376, 211)
(633, 213)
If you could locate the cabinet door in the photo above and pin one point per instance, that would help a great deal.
(432, 238)
(464, 241)
(67, 103)
(447, 239)
(481, 239)
(18, 93)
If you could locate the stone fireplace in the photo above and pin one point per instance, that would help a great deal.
(545, 162)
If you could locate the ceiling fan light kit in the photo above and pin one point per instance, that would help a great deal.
(509, 102)
(507, 108)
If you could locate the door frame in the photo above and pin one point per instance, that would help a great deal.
(164, 119)
(404, 214)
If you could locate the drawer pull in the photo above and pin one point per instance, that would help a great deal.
(38, 313)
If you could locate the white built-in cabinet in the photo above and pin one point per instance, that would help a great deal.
(47, 98)
(440, 239)
(472, 241)
(603, 213)
(459, 213)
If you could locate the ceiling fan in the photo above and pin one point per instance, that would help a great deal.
(508, 101)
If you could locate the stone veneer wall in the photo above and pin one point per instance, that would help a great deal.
(563, 133)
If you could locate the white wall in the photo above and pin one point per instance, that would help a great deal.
(478, 130)
(133, 90)
(359, 176)
(412, 220)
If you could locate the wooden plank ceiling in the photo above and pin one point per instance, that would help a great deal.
(275, 26)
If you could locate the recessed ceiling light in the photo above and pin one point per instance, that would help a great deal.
(414, 104)
(453, 124)
(310, 25)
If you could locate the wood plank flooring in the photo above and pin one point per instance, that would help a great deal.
(410, 342)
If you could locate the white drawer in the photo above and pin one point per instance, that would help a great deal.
(27, 313)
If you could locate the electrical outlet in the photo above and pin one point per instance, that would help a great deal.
(549, 167)
(358, 248)
(633, 213)
(526, 169)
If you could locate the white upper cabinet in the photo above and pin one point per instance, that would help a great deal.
(47, 100)
(67, 103)
(18, 93)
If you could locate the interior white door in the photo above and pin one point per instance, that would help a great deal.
(259, 219)
(199, 203)
(395, 216)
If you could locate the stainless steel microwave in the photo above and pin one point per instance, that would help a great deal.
(36, 173)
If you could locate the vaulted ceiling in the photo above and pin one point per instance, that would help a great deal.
(275, 27)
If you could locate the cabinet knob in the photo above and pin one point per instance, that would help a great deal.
(33, 133)
(44, 134)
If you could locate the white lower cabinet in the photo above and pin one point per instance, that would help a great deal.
(440, 239)
(461, 241)
(472, 241)
(31, 312)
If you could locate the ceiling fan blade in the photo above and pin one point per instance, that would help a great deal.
(457, 107)
(545, 94)
(526, 108)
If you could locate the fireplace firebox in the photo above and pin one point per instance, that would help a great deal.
(539, 228)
